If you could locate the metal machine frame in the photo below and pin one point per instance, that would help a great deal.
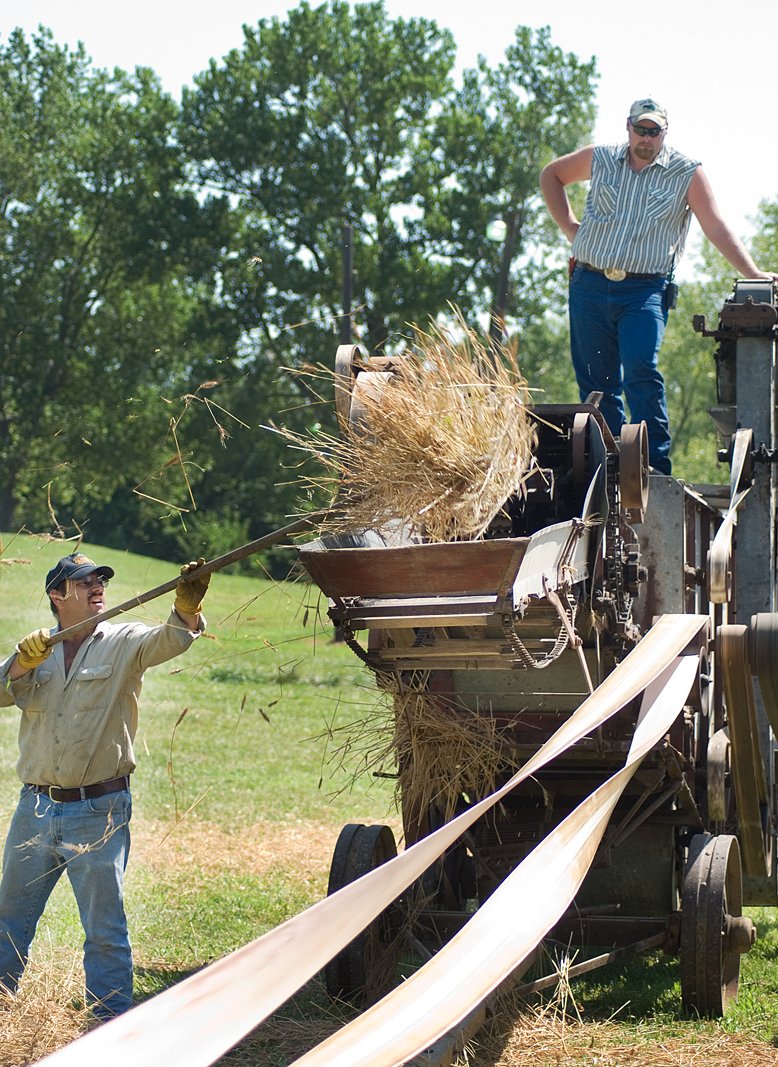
(519, 627)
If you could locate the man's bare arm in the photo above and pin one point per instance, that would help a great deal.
(575, 167)
(703, 203)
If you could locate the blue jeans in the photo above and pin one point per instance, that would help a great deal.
(616, 329)
(90, 840)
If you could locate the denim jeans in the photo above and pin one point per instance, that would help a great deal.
(616, 329)
(90, 840)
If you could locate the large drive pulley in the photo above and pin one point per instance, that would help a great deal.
(714, 933)
(633, 468)
(763, 654)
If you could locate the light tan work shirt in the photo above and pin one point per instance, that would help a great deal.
(79, 729)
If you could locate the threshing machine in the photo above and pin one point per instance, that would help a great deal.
(518, 629)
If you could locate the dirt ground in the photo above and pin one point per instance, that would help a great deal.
(300, 847)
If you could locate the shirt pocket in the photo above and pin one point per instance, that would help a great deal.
(660, 204)
(34, 698)
(94, 685)
(603, 200)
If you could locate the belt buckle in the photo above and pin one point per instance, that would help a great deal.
(50, 793)
(615, 274)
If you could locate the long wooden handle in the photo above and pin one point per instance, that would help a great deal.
(207, 568)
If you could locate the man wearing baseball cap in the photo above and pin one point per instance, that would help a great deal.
(78, 699)
(625, 249)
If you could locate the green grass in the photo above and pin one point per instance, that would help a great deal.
(648, 988)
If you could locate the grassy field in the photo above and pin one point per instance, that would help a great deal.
(240, 793)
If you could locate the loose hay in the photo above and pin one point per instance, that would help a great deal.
(438, 751)
(545, 1040)
(554, 1031)
(443, 753)
(46, 1013)
(442, 440)
(438, 439)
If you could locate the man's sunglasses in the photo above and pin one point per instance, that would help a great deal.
(647, 131)
(88, 583)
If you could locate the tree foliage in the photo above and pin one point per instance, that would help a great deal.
(106, 262)
(162, 266)
(687, 359)
(341, 115)
(766, 239)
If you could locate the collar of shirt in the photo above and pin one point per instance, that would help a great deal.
(662, 159)
(98, 631)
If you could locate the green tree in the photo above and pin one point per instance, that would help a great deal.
(345, 115)
(765, 244)
(484, 162)
(319, 121)
(155, 261)
(341, 115)
(107, 262)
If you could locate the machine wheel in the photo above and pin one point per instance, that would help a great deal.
(450, 882)
(345, 359)
(633, 466)
(363, 971)
(714, 934)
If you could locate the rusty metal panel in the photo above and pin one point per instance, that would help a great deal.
(416, 570)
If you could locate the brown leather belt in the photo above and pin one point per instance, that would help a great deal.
(616, 274)
(82, 792)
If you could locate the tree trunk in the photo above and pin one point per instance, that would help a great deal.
(6, 506)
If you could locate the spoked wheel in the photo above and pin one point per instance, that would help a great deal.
(364, 970)
(714, 933)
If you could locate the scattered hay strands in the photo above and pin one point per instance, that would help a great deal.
(437, 752)
(43, 1015)
(443, 753)
(540, 1037)
(443, 439)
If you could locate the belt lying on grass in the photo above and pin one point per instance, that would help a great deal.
(616, 274)
(82, 792)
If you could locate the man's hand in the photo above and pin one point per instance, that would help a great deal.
(33, 649)
(190, 591)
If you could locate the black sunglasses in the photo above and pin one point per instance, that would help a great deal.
(647, 131)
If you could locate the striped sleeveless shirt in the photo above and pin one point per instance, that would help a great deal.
(637, 221)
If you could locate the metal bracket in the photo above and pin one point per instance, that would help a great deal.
(749, 319)
(763, 454)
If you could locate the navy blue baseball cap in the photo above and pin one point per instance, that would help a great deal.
(75, 566)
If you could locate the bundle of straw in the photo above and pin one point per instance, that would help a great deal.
(441, 444)
(443, 753)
